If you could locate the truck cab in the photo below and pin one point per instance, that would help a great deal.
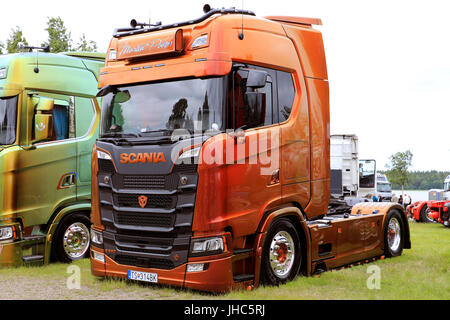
(212, 167)
(49, 120)
(447, 188)
(384, 189)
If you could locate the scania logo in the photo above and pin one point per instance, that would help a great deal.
(142, 157)
(142, 201)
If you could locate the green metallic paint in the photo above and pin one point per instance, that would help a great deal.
(29, 177)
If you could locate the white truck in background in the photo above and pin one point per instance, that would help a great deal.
(352, 179)
(384, 188)
(447, 188)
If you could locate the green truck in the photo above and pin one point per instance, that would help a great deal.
(49, 118)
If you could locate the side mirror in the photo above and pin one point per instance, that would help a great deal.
(256, 79)
(122, 96)
(43, 123)
(256, 109)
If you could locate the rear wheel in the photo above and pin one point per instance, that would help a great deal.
(424, 215)
(393, 234)
(281, 257)
(72, 238)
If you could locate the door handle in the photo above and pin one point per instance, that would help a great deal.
(67, 180)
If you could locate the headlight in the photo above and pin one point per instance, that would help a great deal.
(112, 54)
(7, 233)
(96, 237)
(193, 152)
(103, 155)
(200, 41)
(207, 246)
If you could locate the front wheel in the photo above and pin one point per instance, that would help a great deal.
(425, 214)
(393, 234)
(281, 257)
(72, 238)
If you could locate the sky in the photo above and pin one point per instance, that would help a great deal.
(388, 61)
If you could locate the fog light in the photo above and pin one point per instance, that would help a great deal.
(98, 256)
(195, 267)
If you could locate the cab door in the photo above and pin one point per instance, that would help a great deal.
(252, 178)
(47, 175)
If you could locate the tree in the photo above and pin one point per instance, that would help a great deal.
(398, 167)
(2, 46)
(15, 38)
(85, 45)
(59, 39)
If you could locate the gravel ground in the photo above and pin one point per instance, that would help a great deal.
(51, 283)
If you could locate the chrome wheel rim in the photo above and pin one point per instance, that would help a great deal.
(394, 234)
(282, 254)
(76, 240)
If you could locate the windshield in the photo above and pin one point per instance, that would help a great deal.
(367, 173)
(8, 119)
(447, 186)
(195, 105)
(384, 187)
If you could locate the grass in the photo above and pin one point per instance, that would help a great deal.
(422, 272)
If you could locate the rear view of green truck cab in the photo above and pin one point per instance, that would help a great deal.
(49, 118)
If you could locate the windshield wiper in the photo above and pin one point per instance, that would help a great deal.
(166, 131)
(119, 135)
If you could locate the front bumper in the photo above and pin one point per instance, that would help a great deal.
(217, 278)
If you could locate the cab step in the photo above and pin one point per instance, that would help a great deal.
(240, 254)
(242, 251)
(33, 259)
(36, 239)
(243, 277)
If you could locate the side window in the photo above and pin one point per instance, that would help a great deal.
(267, 90)
(53, 122)
(286, 93)
(84, 113)
(246, 99)
(70, 117)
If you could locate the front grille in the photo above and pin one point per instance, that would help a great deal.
(145, 219)
(144, 182)
(144, 262)
(153, 201)
(191, 167)
(148, 216)
(106, 166)
(154, 241)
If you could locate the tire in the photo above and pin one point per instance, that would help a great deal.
(394, 234)
(73, 231)
(281, 257)
(423, 215)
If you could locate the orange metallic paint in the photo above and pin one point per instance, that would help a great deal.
(95, 203)
(236, 197)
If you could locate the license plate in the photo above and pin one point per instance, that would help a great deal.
(143, 276)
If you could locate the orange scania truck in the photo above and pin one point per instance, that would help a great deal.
(212, 167)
